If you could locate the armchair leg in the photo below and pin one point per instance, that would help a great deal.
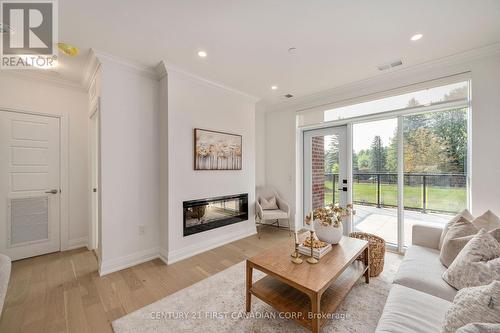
(289, 229)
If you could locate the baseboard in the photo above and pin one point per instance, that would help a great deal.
(177, 255)
(163, 255)
(117, 264)
(77, 243)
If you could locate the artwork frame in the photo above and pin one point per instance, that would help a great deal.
(217, 151)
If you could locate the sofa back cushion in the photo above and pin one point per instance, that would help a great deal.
(463, 214)
(477, 264)
(458, 235)
(488, 221)
(473, 305)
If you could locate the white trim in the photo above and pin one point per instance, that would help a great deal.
(63, 171)
(45, 77)
(196, 248)
(441, 67)
(400, 186)
(163, 255)
(91, 68)
(251, 98)
(132, 66)
(77, 243)
(117, 264)
(64, 174)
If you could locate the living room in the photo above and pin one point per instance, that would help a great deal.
(257, 166)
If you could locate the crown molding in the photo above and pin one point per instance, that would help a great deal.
(91, 68)
(170, 68)
(43, 77)
(330, 96)
(132, 66)
(161, 70)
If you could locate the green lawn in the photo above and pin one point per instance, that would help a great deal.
(438, 199)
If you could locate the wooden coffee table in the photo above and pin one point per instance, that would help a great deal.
(308, 294)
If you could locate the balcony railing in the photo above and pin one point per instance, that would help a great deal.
(425, 192)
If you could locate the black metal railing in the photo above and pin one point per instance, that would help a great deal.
(382, 194)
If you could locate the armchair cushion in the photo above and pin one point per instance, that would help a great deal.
(268, 204)
(274, 214)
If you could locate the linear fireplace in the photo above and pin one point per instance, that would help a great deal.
(205, 214)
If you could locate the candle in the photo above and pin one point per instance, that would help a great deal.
(312, 220)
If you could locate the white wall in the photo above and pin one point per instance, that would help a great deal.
(485, 171)
(260, 145)
(196, 103)
(31, 94)
(130, 165)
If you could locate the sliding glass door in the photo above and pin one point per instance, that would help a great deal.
(408, 163)
(325, 167)
(375, 178)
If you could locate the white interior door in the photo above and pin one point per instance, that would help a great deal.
(29, 184)
(325, 168)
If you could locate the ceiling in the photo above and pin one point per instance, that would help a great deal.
(247, 42)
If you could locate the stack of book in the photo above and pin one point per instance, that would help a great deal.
(317, 252)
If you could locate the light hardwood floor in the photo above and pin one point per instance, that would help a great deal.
(62, 292)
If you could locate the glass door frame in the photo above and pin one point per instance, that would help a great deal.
(345, 161)
(399, 115)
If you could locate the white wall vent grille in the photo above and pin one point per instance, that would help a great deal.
(29, 220)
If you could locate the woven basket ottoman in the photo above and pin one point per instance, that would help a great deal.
(377, 251)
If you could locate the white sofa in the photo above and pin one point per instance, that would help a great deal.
(5, 266)
(419, 298)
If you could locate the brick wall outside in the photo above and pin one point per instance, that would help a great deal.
(318, 172)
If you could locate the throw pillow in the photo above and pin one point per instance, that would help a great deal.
(465, 214)
(472, 305)
(479, 328)
(488, 221)
(268, 204)
(458, 235)
(477, 264)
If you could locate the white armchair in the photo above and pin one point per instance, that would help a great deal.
(263, 215)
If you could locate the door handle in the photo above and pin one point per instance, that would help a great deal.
(344, 189)
(54, 191)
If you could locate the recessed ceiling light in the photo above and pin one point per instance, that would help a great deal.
(202, 54)
(416, 37)
(274, 87)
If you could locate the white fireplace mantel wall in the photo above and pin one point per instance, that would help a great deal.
(193, 102)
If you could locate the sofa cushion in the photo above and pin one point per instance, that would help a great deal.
(465, 214)
(477, 264)
(410, 311)
(479, 328)
(473, 305)
(487, 221)
(455, 240)
(422, 270)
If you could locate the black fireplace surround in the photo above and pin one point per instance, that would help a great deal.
(210, 213)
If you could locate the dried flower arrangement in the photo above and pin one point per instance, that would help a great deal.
(317, 244)
(330, 215)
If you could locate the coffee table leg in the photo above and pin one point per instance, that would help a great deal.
(367, 264)
(316, 312)
(249, 286)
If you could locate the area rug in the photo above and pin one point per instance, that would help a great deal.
(217, 304)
